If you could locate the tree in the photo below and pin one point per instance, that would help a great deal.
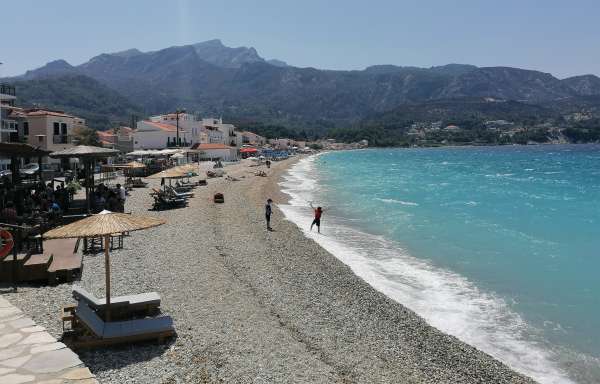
(86, 136)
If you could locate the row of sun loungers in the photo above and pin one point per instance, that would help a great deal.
(172, 197)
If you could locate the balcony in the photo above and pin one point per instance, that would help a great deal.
(7, 93)
(62, 139)
(7, 89)
(8, 126)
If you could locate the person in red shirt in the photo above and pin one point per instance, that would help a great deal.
(318, 212)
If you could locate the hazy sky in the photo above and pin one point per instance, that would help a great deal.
(560, 37)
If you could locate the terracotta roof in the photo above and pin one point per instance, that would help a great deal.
(43, 112)
(105, 134)
(211, 146)
(164, 127)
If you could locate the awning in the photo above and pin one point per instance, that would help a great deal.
(248, 150)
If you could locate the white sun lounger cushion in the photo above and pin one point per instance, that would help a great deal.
(122, 328)
(141, 299)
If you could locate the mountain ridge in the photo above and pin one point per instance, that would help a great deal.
(211, 78)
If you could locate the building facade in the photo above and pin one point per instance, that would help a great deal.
(251, 138)
(118, 138)
(216, 152)
(154, 135)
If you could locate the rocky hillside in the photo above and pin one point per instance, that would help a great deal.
(211, 78)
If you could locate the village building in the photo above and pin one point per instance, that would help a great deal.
(154, 135)
(117, 138)
(251, 138)
(216, 152)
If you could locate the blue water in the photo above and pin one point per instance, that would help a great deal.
(496, 245)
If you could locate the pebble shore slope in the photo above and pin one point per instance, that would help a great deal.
(252, 306)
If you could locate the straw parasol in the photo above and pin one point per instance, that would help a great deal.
(136, 164)
(104, 224)
(173, 173)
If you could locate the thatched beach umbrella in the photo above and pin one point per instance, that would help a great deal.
(136, 164)
(104, 224)
(173, 173)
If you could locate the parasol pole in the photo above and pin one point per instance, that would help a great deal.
(107, 269)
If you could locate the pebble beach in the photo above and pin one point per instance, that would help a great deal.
(253, 306)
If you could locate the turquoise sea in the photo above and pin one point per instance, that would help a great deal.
(499, 246)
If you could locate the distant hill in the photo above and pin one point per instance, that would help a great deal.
(460, 111)
(79, 95)
(211, 78)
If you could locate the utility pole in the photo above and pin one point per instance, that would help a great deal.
(177, 112)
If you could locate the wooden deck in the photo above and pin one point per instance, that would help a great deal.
(59, 261)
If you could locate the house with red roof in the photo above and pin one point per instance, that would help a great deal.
(51, 130)
(120, 138)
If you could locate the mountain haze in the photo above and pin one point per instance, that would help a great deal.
(211, 78)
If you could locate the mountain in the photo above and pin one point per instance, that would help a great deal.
(214, 52)
(278, 63)
(586, 85)
(211, 78)
(507, 83)
(460, 111)
(53, 68)
(79, 95)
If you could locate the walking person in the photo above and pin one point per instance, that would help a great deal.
(268, 211)
(317, 220)
(122, 193)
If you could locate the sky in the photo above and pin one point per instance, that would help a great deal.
(559, 37)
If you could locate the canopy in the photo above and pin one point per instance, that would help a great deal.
(172, 173)
(21, 150)
(84, 151)
(136, 164)
(131, 164)
(248, 150)
(104, 223)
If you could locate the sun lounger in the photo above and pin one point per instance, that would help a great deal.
(179, 195)
(124, 305)
(163, 200)
(91, 331)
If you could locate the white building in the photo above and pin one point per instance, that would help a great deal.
(186, 121)
(216, 151)
(211, 135)
(252, 138)
(155, 135)
(229, 135)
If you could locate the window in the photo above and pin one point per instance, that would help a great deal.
(63, 128)
(56, 129)
(25, 128)
(40, 139)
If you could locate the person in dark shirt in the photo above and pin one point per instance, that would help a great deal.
(9, 213)
(317, 220)
(268, 211)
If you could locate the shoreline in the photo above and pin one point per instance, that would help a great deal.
(252, 305)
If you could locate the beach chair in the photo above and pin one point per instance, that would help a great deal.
(163, 201)
(89, 330)
(179, 195)
(121, 306)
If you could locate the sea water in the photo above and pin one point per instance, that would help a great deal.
(499, 246)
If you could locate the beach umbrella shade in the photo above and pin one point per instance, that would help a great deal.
(104, 225)
(172, 173)
(136, 164)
